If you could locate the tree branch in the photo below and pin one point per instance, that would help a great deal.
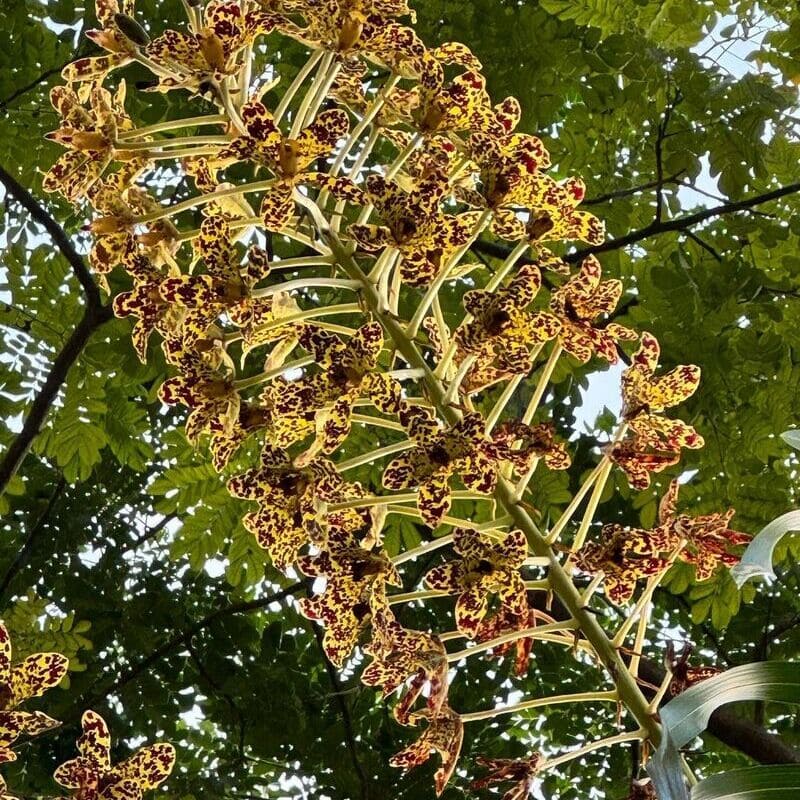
(347, 720)
(91, 320)
(736, 732)
(740, 734)
(659, 147)
(94, 315)
(48, 73)
(32, 85)
(40, 214)
(24, 553)
(135, 670)
(683, 223)
(620, 193)
(679, 224)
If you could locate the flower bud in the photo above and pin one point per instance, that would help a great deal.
(131, 29)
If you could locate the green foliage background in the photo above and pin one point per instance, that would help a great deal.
(135, 556)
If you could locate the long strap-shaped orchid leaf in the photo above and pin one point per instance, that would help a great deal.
(687, 716)
(772, 782)
(758, 557)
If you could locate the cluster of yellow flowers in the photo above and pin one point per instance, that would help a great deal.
(90, 776)
(373, 176)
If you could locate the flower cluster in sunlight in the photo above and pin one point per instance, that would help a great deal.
(296, 292)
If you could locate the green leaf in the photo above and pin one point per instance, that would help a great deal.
(687, 715)
(792, 438)
(773, 782)
(757, 559)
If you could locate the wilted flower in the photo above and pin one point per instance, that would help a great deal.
(522, 771)
(520, 444)
(706, 539)
(444, 734)
(638, 459)
(399, 654)
(684, 676)
(505, 621)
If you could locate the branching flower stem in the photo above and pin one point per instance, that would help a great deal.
(646, 596)
(591, 507)
(185, 141)
(306, 283)
(412, 597)
(358, 130)
(569, 511)
(662, 690)
(297, 84)
(541, 702)
(178, 153)
(638, 642)
(423, 549)
(541, 387)
(490, 529)
(597, 493)
(268, 375)
(378, 422)
(512, 636)
(559, 580)
(202, 199)
(313, 313)
(311, 96)
(493, 417)
(429, 594)
(463, 369)
(443, 277)
(600, 744)
(168, 125)
(374, 455)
